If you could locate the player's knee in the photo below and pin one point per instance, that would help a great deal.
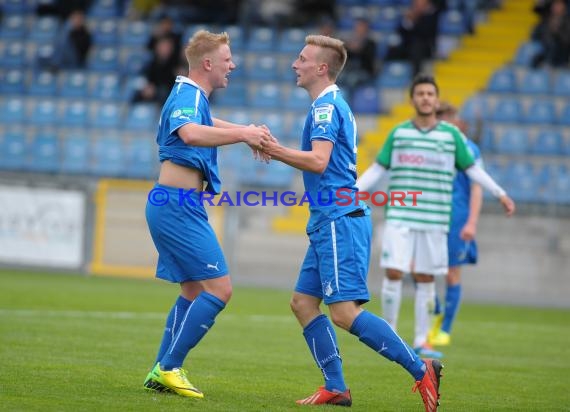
(394, 274)
(341, 319)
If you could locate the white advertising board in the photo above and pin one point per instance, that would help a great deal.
(41, 227)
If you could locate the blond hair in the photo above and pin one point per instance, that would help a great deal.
(333, 52)
(202, 43)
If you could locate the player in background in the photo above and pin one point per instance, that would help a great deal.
(467, 200)
(422, 155)
(189, 253)
(335, 267)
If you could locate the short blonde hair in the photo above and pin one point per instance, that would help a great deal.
(202, 43)
(334, 53)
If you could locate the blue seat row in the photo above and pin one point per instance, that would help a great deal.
(517, 140)
(76, 153)
(534, 82)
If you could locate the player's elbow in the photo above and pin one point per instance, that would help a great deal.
(319, 165)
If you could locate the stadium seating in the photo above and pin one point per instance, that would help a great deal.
(44, 153)
(12, 82)
(503, 81)
(14, 149)
(75, 153)
(535, 82)
(541, 112)
(548, 142)
(366, 100)
(507, 109)
(108, 156)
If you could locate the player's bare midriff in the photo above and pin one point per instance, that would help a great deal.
(183, 177)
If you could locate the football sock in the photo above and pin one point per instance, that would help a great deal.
(452, 301)
(391, 299)
(425, 295)
(197, 320)
(172, 324)
(321, 339)
(377, 334)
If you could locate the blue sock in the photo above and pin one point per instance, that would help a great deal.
(172, 324)
(377, 334)
(452, 300)
(321, 338)
(437, 306)
(197, 320)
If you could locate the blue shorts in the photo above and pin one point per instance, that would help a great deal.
(187, 246)
(460, 252)
(335, 268)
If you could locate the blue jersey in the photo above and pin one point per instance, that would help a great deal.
(187, 103)
(331, 119)
(462, 190)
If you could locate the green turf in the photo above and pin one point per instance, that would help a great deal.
(72, 343)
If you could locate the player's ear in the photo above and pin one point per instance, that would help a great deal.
(207, 64)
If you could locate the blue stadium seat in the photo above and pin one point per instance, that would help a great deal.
(12, 82)
(564, 117)
(558, 189)
(108, 157)
(275, 123)
(75, 114)
(275, 175)
(264, 68)
(75, 153)
(541, 112)
(13, 28)
(395, 74)
(561, 84)
(74, 84)
(526, 52)
(103, 9)
(240, 117)
(526, 188)
(233, 96)
(267, 96)
(103, 59)
(105, 32)
(298, 99)
(506, 110)
(237, 38)
(106, 115)
(13, 149)
(535, 82)
(134, 61)
(452, 22)
(12, 110)
(142, 158)
(13, 55)
(503, 81)
(142, 116)
(17, 7)
(292, 41)
(513, 140)
(107, 87)
(548, 142)
(487, 138)
(365, 100)
(44, 112)
(135, 34)
(45, 56)
(44, 83)
(45, 30)
(262, 39)
(44, 153)
(387, 20)
(476, 108)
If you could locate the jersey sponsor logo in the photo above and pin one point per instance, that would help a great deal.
(323, 114)
(184, 113)
(418, 159)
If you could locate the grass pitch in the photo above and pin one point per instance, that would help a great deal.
(73, 343)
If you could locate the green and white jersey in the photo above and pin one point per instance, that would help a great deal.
(423, 161)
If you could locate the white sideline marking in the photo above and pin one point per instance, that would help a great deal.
(128, 315)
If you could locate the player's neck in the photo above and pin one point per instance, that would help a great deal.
(425, 122)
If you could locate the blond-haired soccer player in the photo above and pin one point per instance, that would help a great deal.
(335, 267)
(189, 253)
(422, 155)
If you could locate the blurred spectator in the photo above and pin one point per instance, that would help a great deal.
(159, 73)
(274, 13)
(61, 8)
(326, 26)
(141, 9)
(74, 42)
(361, 63)
(165, 27)
(418, 32)
(553, 33)
(307, 12)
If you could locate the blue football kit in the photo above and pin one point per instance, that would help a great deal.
(187, 245)
(460, 251)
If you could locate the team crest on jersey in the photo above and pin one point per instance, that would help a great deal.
(323, 113)
(185, 112)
